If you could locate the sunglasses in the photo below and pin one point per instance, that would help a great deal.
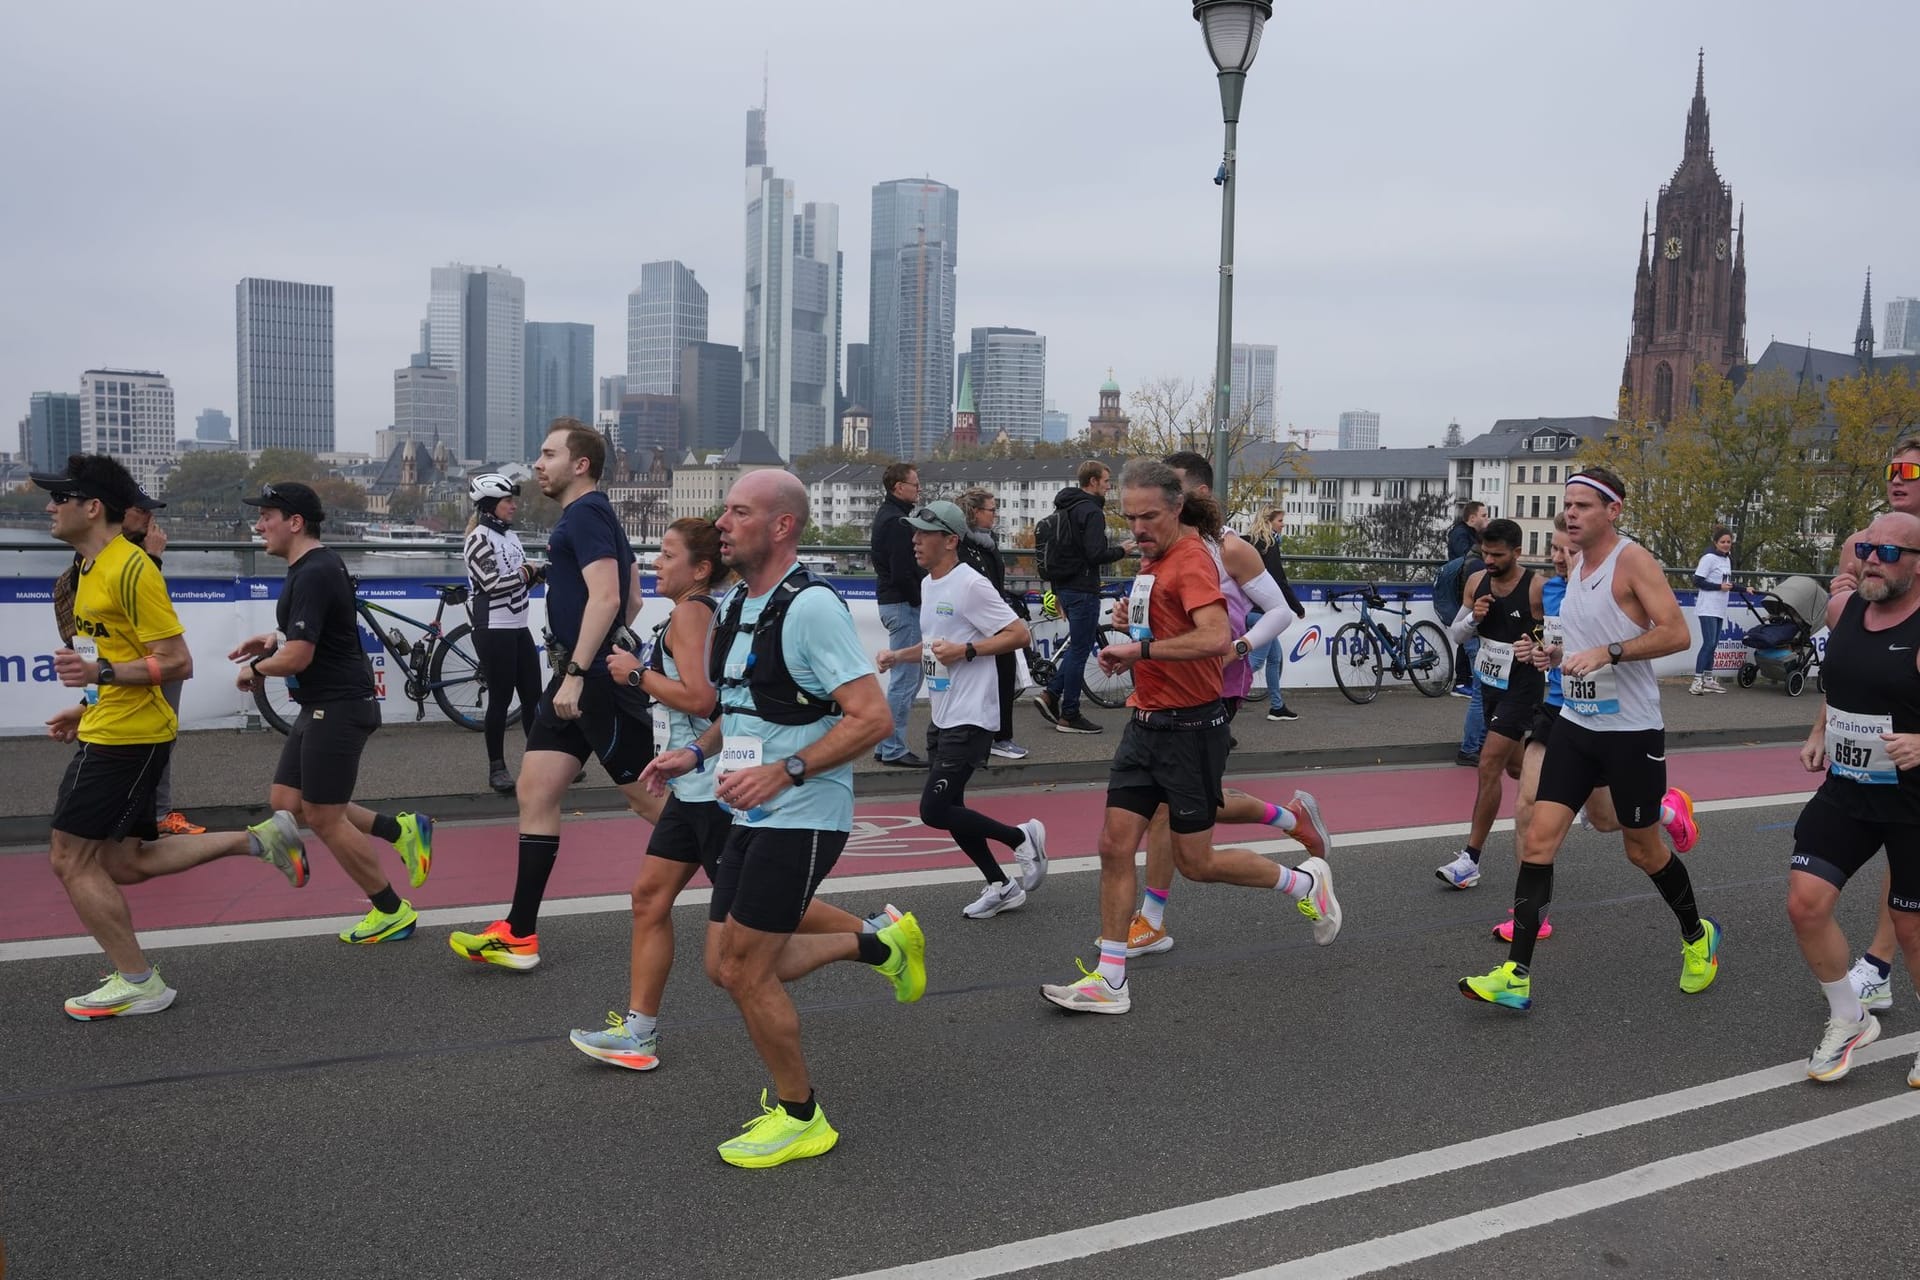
(60, 497)
(1888, 552)
(932, 516)
(1903, 471)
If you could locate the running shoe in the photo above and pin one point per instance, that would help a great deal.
(281, 846)
(1283, 713)
(1462, 873)
(497, 944)
(1031, 856)
(1076, 723)
(617, 1046)
(1682, 830)
(178, 824)
(1700, 961)
(1008, 749)
(380, 926)
(498, 778)
(1833, 1056)
(115, 997)
(1308, 828)
(1320, 906)
(1913, 1074)
(1091, 994)
(416, 846)
(1144, 939)
(1874, 989)
(1002, 895)
(1698, 687)
(1047, 705)
(774, 1137)
(1509, 986)
(1714, 686)
(1504, 930)
(906, 968)
(882, 918)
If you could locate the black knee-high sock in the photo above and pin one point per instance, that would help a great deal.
(537, 854)
(1676, 886)
(1532, 891)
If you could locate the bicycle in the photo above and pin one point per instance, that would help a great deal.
(1103, 690)
(437, 663)
(1364, 650)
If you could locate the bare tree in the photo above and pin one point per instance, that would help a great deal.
(1171, 414)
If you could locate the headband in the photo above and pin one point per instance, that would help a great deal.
(1590, 482)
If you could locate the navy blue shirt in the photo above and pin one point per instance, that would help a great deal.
(588, 531)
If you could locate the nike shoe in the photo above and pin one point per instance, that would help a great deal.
(1875, 992)
(1031, 856)
(1308, 827)
(1091, 994)
(906, 968)
(617, 1046)
(416, 846)
(1008, 749)
(775, 1137)
(1462, 873)
(1682, 830)
(177, 823)
(281, 846)
(1504, 930)
(1700, 961)
(1320, 906)
(1509, 986)
(1003, 895)
(497, 944)
(1833, 1056)
(115, 997)
(1144, 939)
(380, 926)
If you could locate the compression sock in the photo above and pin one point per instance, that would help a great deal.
(1677, 888)
(1532, 891)
(387, 827)
(386, 901)
(537, 855)
(1153, 905)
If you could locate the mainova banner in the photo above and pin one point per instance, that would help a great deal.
(220, 613)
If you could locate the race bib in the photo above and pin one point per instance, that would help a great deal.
(1494, 666)
(662, 728)
(939, 678)
(1594, 694)
(89, 651)
(1552, 634)
(738, 751)
(1855, 751)
(1138, 604)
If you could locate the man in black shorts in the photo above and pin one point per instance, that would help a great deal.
(592, 593)
(317, 650)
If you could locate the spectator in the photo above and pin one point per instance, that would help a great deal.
(981, 553)
(1463, 536)
(1080, 549)
(1714, 578)
(897, 589)
(1267, 538)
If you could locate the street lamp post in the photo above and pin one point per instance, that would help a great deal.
(1232, 29)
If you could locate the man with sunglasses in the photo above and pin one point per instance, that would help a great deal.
(1868, 741)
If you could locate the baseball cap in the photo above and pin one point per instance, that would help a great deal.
(291, 497)
(939, 517)
(63, 481)
(147, 502)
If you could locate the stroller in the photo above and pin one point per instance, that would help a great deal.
(1782, 637)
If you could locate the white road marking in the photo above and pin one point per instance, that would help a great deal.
(1127, 1233)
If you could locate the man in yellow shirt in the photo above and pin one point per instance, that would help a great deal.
(127, 642)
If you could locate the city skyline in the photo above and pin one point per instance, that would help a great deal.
(1492, 237)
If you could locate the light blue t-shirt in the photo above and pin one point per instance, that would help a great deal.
(1552, 592)
(682, 729)
(823, 652)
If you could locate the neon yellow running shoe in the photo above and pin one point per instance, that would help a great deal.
(906, 968)
(378, 926)
(774, 1137)
(416, 846)
(1509, 986)
(1700, 961)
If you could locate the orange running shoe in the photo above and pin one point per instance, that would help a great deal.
(1143, 939)
(177, 824)
(497, 944)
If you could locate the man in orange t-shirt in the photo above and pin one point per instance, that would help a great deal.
(1173, 751)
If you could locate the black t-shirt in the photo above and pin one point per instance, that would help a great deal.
(587, 531)
(316, 605)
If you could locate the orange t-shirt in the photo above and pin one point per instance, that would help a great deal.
(1184, 580)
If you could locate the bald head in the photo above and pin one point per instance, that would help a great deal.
(765, 516)
(1881, 580)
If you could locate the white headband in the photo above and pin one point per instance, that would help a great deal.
(1590, 482)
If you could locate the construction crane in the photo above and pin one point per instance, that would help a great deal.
(1303, 436)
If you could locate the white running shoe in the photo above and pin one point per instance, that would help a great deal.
(1714, 686)
(1003, 895)
(1875, 992)
(1032, 854)
(1581, 817)
(1320, 906)
(1698, 687)
(1462, 873)
(1833, 1056)
(1090, 994)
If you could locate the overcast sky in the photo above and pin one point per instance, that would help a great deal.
(1438, 203)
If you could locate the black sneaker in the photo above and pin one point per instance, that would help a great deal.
(1048, 708)
(907, 761)
(1470, 759)
(498, 778)
(1076, 723)
(1283, 713)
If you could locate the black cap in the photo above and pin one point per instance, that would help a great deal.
(292, 497)
(62, 482)
(147, 502)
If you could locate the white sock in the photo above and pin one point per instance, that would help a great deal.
(1113, 963)
(1295, 883)
(1843, 1001)
(639, 1025)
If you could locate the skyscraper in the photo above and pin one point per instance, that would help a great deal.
(910, 312)
(213, 427)
(790, 358)
(709, 397)
(1359, 429)
(1056, 426)
(283, 338)
(1009, 372)
(613, 388)
(1252, 385)
(1903, 327)
(476, 328)
(128, 413)
(426, 405)
(664, 314)
(559, 378)
(860, 375)
(53, 429)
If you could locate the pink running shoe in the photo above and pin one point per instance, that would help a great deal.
(1682, 830)
(1504, 930)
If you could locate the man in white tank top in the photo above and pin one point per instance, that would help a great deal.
(1619, 614)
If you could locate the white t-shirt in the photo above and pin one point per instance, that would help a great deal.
(962, 607)
(1715, 568)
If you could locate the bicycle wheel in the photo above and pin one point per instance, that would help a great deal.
(1356, 663)
(1430, 659)
(276, 704)
(459, 685)
(1102, 689)
(1040, 670)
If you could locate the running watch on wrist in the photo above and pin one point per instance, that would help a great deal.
(636, 678)
(1241, 648)
(1614, 651)
(574, 669)
(972, 653)
(1146, 647)
(105, 675)
(796, 770)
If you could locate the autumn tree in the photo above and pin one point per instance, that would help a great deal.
(207, 484)
(1872, 412)
(1171, 414)
(1406, 529)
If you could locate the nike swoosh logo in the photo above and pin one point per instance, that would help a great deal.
(1657, 759)
(1898, 648)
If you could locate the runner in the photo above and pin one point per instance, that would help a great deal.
(1618, 615)
(140, 529)
(499, 576)
(1246, 585)
(592, 592)
(963, 619)
(1868, 741)
(799, 702)
(123, 641)
(1173, 751)
(317, 649)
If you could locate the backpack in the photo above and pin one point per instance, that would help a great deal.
(777, 696)
(1448, 588)
(1057, 555)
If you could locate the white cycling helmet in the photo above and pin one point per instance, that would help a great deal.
(492, 485)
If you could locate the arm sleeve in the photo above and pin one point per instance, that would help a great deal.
(148, 605)
(1463, 627)
(1272, 625)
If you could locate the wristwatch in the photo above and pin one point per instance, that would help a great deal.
(972, 653)
(796, 770)
(635, 677)
(1241, 648)
(1146, 648)
(106, 673)
(574, 669)
(1613, 654)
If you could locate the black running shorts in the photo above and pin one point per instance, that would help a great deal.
(107, 792)
(768, 875)
(692, 833)
(622, 739)
(962, 745)
(1510, 712)
(1833, 843)
(321, 756)
(1632, 762)
(1545, 717)
(1180, 768)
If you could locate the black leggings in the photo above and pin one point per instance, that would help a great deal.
(943, 807)
(511, 665)
(1009, 668)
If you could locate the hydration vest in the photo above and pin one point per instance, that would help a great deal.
(777, 697)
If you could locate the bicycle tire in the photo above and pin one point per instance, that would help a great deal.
(461, 688)
(1357, 667)
(1102, 689)
(275, 703)
(1431, 671)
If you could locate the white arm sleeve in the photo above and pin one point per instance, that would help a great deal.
(1464, 625)
(1265, 593)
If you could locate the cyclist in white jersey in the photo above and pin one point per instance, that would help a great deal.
(1618, 616)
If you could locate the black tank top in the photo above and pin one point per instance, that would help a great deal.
(1874, 673)
(1509, 617)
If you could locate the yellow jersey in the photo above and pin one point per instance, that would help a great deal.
(121, 606)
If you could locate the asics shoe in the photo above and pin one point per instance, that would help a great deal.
(1031, 856)
(1875, 991)
(177, 823)
(1833, 1056)
(1462, 873)
(616, 1045)
(115, 997)
(774, 1137)
(1091, 994)
(906, 968)
(281, 847)
(1700, 961)
(1308, 828)
(1002, 895)
(1320, 906)
(1504, 930)
(1144, 939)
(380, 926)
(416, 846)
(1509, 986)
(497, 944)
(1682, 830)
